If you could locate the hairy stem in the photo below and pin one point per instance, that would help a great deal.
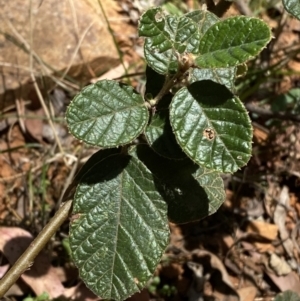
(169, 83)
(27, 258)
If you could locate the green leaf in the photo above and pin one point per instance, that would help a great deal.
(162, 62)
(223, 76)
(159, 133)
(287, 296)
(167, 37)
(231, 42)
(107, 114)
(119, 228)
(293, 7)
(212, 126)
(191, 192)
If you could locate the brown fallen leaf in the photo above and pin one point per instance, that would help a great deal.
(41, 276)
(280, 214)
(34, 124)
(223, 287)
(266, 230)
(80, 292)
(288, 282)
(247, 293)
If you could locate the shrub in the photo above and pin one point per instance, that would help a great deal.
(161, 153)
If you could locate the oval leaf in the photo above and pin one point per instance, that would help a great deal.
(107, 114)
(119, 229)
(293, 7)
(212, 126)
(231, 42)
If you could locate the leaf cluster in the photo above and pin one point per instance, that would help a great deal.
(162, 152)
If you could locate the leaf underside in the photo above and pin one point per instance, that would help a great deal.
(212, 126)
(107, 114)
(120, 229)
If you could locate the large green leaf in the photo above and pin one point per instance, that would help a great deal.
(119, 228)
(232, 41)
(107, 114)
(293, 7)
(191, 192)
(212, 126)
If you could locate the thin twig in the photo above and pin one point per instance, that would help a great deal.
(27, 258)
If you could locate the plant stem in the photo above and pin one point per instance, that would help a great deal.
(169, 83)
(27, 258)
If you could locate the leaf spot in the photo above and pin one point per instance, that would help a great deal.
(159, 16)
(75, 216)
(209, 134)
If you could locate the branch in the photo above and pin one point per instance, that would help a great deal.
(26, 260)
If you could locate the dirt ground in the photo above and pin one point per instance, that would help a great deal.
(248, 250)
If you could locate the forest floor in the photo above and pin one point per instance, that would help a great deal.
(248, 250)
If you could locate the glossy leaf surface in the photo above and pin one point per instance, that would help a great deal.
(119, 228)
(232, 41)
(212, 126)
(107, 114)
